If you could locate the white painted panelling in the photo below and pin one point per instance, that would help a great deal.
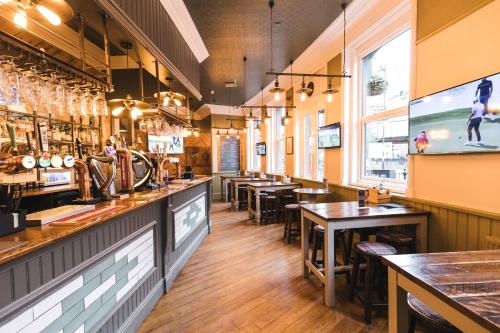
(146, 269)
(80, 329)
(140, 266)
(126, 250)
(182, 228)
(126, 288)
(139, 249)
(145, 253)
(90, 298)
(18, 322)
(44, 320)
(56, 297)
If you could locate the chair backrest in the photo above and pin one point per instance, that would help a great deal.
(492, 242)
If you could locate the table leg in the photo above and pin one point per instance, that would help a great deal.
(421, 234)
(398, 306)
(329, 265)
(236, 197)
(257, 206)
(222, 190)
(250, 211)
(304, 224)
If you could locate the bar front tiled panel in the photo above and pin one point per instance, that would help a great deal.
(82, 302)
(106, 278)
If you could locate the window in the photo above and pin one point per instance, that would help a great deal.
(278, 141)
(385, 81)
(321, 152)
(253, 137)
(308, 149)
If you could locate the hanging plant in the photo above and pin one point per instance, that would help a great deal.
(377, 85)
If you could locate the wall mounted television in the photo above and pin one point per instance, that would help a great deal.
(462, 119)
(329, 136)
(170, 144)
(261, 148)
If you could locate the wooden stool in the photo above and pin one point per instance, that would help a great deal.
(292, 216)
(270, 209)
(421, 312)
(243, 197)
(370, 252)
(317, 245)
(397, 239)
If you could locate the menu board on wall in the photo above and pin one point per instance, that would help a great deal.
(229, 153)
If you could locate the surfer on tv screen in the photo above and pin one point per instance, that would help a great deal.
(485, 89)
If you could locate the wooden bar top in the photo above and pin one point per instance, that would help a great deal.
(50, 189)
(351, 210)
(467, 281)
(38, 237)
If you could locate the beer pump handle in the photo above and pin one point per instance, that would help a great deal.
(79, 148)
(12, 136)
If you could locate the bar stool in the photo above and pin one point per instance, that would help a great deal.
(317, 245)
(400, 240)
(292, 216)
(370, 252)
(243, 197)
(422, 313)
(270, 209)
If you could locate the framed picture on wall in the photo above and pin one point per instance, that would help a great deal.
(289, 145)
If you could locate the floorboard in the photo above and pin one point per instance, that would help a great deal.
(245, 278)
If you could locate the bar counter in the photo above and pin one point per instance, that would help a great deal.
(105, 272)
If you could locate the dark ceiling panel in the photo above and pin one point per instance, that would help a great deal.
(232, 29)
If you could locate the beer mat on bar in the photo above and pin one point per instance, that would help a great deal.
(9, 245)
(77, 219)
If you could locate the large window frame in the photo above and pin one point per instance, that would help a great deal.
(276, 142)
(320, 153)
(254, 162)
(358, 120)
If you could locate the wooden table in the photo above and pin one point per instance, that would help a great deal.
(463, 287)
(310, 192)
(348, 215)
(235, 183)
(225, 195)
(265, 186)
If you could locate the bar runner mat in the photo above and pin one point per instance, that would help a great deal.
(77, 219)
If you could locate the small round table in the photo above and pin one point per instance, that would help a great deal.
(310, 192)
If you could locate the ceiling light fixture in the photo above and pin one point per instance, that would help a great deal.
(169, 97)
(55, 12)
(304, 91)
(330, 91)
(276, 90)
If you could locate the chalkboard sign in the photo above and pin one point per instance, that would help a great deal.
(229, 153)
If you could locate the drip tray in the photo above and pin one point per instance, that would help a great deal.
(9, 245)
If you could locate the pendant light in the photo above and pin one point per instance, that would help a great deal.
(276, 90)
(227, 134)
(266, 116)
(287, 116)
(129, 104)
(304, 91)
(217, 134)
(169, 97)
(250, 117)
(330, 90)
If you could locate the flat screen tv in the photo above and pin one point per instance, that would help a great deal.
(462, 119)
(329, 136)
(170, 144)
(261, 148)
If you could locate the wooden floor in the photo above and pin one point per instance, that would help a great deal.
(246, 278)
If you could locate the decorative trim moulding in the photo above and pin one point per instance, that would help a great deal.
(179, 13)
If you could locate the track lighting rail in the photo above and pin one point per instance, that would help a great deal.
(304, 75)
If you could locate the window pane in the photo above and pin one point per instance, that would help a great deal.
(386, 76)
(321, 152)
(386, 148)
(307, 147)
(279, 141)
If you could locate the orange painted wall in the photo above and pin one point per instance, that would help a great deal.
(460, 53)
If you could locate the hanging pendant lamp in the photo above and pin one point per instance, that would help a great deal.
(170, 97)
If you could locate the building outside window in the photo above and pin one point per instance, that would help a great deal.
(321, 152)
(385, 82)
(279, 142)
(308, 147)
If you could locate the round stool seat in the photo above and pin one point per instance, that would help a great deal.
(321, 229)
(292, 206)
(394, 237)
(270, 197)
(429, 316)
(375, 249)
(303, 202)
